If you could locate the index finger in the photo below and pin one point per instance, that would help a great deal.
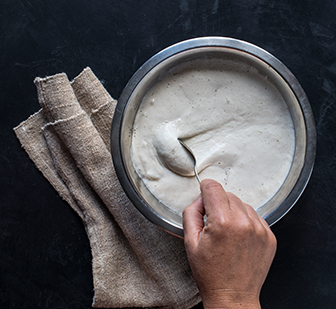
(215, 200)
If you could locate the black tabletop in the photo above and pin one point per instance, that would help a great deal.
(45, 259)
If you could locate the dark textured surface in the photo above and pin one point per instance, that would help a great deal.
(45, 259)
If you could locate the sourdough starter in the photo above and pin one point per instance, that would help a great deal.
(234, 120)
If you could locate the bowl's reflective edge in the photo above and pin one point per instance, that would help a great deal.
(129, 100)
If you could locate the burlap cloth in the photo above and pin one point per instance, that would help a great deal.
(134, 263)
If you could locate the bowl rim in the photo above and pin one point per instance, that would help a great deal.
(195, 43)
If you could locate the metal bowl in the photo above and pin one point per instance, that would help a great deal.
(212, 47)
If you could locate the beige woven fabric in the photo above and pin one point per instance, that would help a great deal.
(134, 263)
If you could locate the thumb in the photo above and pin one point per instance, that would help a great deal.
(193, 222)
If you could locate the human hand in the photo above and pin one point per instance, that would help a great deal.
(231, 255)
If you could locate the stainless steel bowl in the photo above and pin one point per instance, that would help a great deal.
(212, 47)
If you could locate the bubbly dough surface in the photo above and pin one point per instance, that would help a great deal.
(234, 120)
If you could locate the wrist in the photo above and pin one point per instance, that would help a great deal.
(226, 299)
(230, 305)
(233, 306)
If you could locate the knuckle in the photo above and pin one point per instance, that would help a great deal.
(249, 208)
(223, 222)
(218, 228)
(247, 227)
(266, 236)
(243, 228)
(233, 199)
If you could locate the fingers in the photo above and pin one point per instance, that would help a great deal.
(263, 226)
(219, 207)
(253, 214)
(193, 222)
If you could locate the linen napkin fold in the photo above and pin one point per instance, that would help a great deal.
(134, 263)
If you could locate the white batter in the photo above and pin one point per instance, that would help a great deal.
(234, 120)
